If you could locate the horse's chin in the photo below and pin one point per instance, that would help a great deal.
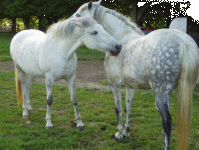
(114, 53)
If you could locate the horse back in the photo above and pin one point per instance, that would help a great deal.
(154, 59)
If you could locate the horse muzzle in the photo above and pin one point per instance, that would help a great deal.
(116, 51)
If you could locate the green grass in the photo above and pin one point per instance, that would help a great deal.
(104, 82)
(83, 53)
(5, 39)
(95, 107)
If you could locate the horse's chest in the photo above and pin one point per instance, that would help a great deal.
(112, 68)
(132, 70)
(63, 69)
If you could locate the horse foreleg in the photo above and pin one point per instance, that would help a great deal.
(118, 109)
(127, 108)
(162, 105)
(28, 85)
(71, 87)
(49, 88)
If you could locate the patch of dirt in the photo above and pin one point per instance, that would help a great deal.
(6, 66)
(88, 74)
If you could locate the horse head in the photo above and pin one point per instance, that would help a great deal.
(94, 36)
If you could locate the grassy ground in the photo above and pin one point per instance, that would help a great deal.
(83, 53)
(98, 114)
(5, 39)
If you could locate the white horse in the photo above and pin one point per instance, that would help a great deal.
(162, 60)
(53, 55)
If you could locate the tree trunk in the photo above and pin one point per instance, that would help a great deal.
(27, 22)
(135, 10)
(40, 23)
(13, 28)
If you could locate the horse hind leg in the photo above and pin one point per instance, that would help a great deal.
(21, 77)
(71, 87)
(128, 106)
(162, 105)
(28, 86)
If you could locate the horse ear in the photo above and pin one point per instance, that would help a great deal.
(99, 1)
(90, 5)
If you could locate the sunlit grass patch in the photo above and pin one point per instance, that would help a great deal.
(104, 82)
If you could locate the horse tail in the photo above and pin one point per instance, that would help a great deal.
(18, 89)
(188, 60)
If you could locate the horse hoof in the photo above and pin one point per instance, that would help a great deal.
(25, 116)
(30, 111)
(125, 134)
(119, 136)
(81, 128)
(49, 128)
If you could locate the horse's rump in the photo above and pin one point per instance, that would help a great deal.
(154, 59)
(25, 48)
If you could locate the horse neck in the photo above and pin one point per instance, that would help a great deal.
(65, 46)
(119, 29)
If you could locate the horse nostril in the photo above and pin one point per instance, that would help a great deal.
(118, 47)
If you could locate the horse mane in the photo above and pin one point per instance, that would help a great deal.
(66, 27)
(101, 10)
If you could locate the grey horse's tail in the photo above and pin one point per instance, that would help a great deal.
(18, 89)
(189, 63)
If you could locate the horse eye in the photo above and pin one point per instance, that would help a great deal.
(94, 32)
(77, 15)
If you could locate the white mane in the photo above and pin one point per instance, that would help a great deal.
(66, 27)
(99, 16)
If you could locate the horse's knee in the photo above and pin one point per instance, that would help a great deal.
(74, 103)
(117, 112)
(50, 100)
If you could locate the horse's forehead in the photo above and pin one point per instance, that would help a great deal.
(96, 26)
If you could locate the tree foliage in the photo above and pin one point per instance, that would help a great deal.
(124, 8)
(49, 11)
(160, 15)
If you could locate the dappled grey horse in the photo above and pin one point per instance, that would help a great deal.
(162, 60)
